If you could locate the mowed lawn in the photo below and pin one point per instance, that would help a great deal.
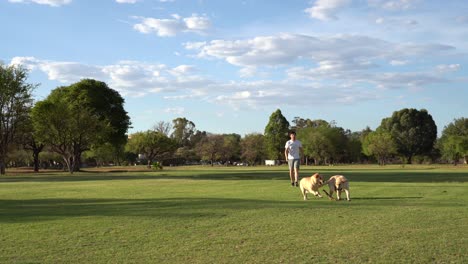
(412, 214)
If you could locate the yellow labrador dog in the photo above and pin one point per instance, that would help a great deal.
(311, 185)
(337, 184)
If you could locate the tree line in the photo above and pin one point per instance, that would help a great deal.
(86, 123)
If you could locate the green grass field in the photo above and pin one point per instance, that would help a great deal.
(415, 214)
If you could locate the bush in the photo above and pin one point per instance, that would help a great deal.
(157, 166)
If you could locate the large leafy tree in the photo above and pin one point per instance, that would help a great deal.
(68, 129)
(76, 118)
(152, 144)
(276, 135)
(414, 132)
(379, 144)
(324, 143)
(183, 130)
(230, 149)
(210, 147)
(15, 104)
(454, 140)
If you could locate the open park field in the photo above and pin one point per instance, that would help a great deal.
(412, 214)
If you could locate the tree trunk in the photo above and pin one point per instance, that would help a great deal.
(36, 161)
(2, 166)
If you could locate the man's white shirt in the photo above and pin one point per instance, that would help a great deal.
(293, 148)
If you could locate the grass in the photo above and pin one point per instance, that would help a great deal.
(415, 214)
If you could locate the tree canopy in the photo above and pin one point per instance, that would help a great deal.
(73, 119)
(276, 135)
(414, 132)
(15, 104)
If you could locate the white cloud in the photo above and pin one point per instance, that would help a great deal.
(54, 3)
(398, 62)
(128, 77)
(326, 9)
(173, 26)
(126, 1)
(448, 67)
(397, 23)
(248, 72)
(285, 49)
(393, 5)
(175, 110)
(330, 81)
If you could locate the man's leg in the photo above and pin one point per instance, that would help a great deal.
(291, 171)
(296, 172)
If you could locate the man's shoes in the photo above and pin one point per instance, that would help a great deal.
(292, 184)
(297, 184)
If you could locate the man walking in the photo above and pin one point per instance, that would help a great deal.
(292, 153)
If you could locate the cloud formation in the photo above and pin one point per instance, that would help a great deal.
(173, 26)
(326, 9)
(54, 3)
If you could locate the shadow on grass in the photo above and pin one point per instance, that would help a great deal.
(353, 176)
(17, 211)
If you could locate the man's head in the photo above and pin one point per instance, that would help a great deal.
(292, 134)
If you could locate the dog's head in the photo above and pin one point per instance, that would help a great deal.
(318, 179)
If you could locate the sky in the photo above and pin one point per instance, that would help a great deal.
(228, 65)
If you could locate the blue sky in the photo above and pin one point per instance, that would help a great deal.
(227, 65)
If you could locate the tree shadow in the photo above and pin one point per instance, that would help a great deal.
(33, 210)
(254, 174)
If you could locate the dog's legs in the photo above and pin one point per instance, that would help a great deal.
(304, 193)
(338, 194)
(347, 194)
(331, 192)
(317, 193)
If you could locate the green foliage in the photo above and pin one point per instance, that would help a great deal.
(183, 131)
(454, 140)
(276, 135)
(379, 144)
(15, 104)
(157, 165)
(210, 147)
(152, 144)
(75, 118)
(413, 131)
(324, 143)
(253, 148)
(231, 147)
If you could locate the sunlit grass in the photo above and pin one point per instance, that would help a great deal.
(415, 214)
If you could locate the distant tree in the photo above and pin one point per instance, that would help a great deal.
(253, 148)
(230, 149)
(163, 127)
(183, 130)
(15, 104)
(106, 153)
(276, 135)
(324, 143)
(379, 144)
(30, 142)
(210, 147)
(354, 147)
(153, 145)
(413, 131)
(454, 140)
